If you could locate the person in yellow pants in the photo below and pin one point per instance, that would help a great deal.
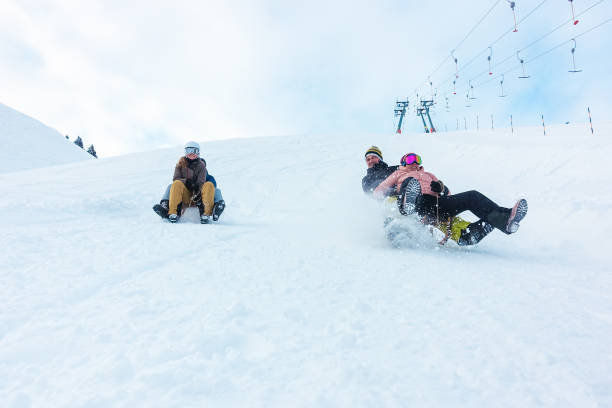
(456, 228)
(189, 186)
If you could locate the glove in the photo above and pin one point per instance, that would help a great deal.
(437, 186)
(189, 184)
(197, 198)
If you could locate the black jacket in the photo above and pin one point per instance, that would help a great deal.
(376, 175)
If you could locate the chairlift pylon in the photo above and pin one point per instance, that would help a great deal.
(489, 59)
(524, 76)
(573, 16)
(423, 111)
(574, 70)
(400, 110)
(512, 5)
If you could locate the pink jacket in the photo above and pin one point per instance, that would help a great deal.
(396, 179)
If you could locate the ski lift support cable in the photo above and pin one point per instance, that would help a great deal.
(538, 40)
(464, 66)
(463, 40)
(549, 50)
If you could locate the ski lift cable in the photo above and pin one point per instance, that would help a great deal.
(522, 49)
(511, 29)
(539, 39)
(465, 38)
(464, 66)
(476, 25)
(547, 51)
(560, 26)
(573, 38)
(529, 45)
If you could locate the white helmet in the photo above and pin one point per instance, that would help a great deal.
(192, 144)
(192, 147)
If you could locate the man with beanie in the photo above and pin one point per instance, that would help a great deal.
(377, 171)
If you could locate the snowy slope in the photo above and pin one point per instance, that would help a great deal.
(29, 144)
(296, 298)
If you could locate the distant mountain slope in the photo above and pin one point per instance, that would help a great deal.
(27, 143)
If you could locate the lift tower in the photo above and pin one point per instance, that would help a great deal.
(400, 110)
(424, 110)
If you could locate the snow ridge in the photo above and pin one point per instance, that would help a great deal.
(28, 143)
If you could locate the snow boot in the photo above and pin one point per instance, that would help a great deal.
(173, 218)
(412, 192)
(474, 233)
(518, 212)
(218, 209)
(507, 220)
(204, 219)
(161, 209)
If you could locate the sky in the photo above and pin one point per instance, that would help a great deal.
(135, 76)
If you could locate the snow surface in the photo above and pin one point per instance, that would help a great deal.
(26, 143)
(296, 298)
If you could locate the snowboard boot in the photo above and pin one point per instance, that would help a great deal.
(173, 218)
(161, 209)
(474, 233)
(218, 209)
(412, 192)
(518, 212)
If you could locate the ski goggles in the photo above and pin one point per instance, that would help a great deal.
(410, 158)
(191, 150)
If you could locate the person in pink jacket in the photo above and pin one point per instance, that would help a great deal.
(422, 192)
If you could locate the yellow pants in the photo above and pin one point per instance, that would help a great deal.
(458, 224)
(179, 193)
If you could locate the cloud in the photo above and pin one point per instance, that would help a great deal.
(136, 75)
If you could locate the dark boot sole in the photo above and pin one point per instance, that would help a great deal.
(161, 211)
(218, 209)
(412, 192)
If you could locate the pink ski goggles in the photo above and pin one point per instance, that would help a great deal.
(410, 158)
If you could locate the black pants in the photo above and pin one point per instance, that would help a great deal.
(452, 205)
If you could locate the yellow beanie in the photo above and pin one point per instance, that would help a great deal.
(374, 150)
